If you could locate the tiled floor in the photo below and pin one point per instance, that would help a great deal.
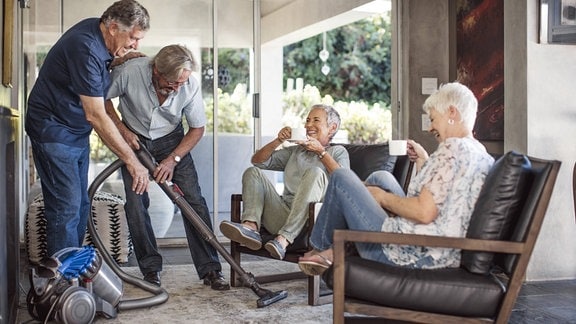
(546, 302)
(550, 302)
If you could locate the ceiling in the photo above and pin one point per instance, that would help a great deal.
(268, 6)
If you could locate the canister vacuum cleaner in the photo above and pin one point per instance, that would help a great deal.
(76, 284)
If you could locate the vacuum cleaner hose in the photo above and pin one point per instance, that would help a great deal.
(267, 297)
(160, 295)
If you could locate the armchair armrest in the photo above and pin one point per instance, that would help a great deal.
(235, 207)
(342, 236)
(314, 210)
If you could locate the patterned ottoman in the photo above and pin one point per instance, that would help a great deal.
(109, 218)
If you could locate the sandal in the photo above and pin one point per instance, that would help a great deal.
(314, 268)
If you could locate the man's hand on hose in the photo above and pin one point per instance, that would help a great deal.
(139, 175)
(164, 170)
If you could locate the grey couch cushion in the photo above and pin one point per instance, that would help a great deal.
(498, 206)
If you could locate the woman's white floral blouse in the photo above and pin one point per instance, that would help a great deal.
(454, 174)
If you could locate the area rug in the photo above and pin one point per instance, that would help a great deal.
(192, 302)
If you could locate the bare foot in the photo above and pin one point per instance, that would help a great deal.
(325, 257)
(310, 253)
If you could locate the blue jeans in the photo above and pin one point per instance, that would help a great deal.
(63, 172)
(203, 254)
(349, 205)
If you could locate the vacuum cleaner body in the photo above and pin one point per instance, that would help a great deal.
(73, 286)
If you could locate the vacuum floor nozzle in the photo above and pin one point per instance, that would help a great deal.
(271, 298)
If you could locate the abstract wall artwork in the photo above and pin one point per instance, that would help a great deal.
(480, 61)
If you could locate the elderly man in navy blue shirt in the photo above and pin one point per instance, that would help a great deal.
(66, 103)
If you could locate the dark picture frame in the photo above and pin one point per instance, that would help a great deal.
(558, 21)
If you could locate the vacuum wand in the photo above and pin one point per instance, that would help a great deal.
(267, 297)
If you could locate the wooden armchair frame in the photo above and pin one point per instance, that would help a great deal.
(522, 250)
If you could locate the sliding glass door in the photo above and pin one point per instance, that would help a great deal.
(220, 35)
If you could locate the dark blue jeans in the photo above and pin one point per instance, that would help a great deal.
(63, 172)
(203, 254)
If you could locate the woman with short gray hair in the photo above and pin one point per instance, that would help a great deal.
(307, 167)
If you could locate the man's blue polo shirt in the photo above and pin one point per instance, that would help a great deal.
(76, 65)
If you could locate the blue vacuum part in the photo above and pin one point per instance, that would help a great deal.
(75, 263)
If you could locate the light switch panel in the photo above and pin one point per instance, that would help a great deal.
(429, 85)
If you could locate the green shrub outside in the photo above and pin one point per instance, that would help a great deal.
(234, 111)
(364, 123)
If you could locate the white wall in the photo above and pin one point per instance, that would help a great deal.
(540, 116)
(551, 134)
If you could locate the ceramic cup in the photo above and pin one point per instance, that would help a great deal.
(298, 133)
(397, 147)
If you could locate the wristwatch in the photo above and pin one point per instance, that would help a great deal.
(176, 157)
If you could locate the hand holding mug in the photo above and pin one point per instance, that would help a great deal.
(298, 134)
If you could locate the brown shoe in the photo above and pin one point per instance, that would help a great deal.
(216, 281)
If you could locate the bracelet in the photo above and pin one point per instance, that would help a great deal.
(321, 155)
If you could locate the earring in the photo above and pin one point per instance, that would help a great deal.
(450, 121)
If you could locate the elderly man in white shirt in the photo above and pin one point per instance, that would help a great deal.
(154, 94)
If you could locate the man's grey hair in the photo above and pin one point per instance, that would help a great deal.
(332, 116)
(172, 60)
(127, 14)
(457, 95)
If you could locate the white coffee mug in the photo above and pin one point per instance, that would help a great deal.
(298, 133)
(397, 147)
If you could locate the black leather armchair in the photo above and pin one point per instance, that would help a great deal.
(364, 159)
(495, 253)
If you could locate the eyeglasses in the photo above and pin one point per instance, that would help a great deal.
(175, 83)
